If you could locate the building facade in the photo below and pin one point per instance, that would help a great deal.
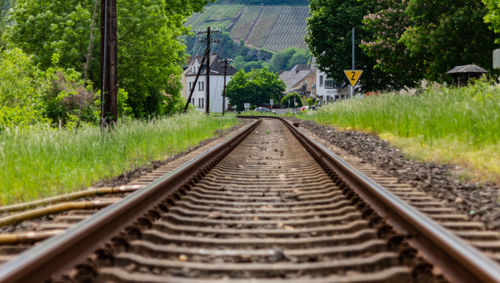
(327, 90)
(198, 99)
(300, 79)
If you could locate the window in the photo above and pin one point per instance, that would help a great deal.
(192, 101)
(200, 102)
(329, 83)
(190, 86)
(201, 85)
(321, 81)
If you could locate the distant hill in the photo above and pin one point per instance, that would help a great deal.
(272, 28)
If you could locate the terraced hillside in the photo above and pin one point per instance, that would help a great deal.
(272, 28)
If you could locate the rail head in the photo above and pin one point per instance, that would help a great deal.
(57, 254)
(458, 261)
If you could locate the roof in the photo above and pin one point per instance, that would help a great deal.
(216, 67)
(300, 67)
(296, 75)
(467, 69)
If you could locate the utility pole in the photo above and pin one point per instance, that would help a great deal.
(207, 54)
(353, 57)
(225, 61)
(195, 81)
(207, 96)
(109, 62)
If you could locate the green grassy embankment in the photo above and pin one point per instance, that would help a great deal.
(42, 162)
(459, 126)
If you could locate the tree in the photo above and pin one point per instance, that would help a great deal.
(387, 23)
(493, 16)
(3, 12)
(22, 86)
(256, 87)
(280, 59)
(290, 99)
(286, 59)
(149, 52)
(329, 38)
(447, 33)
(301, 56)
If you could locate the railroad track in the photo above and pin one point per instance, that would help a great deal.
(269, 205)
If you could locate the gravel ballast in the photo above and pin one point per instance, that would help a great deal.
(479, 201)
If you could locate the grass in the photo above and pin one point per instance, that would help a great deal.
(42, 162)
(460, 126)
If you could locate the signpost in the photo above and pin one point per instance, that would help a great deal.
(353, 76)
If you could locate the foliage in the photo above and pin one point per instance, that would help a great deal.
(68, 101)
(240, 64)
(493, 16)
(149, 51)
(264, 2)
(451, 124)
(245, 58)
(448, 33)
(29, 96)
(22, 86)
(42, 161)
(53, 28)
(288, 58)
(387, 23)
(290, 99)
(310, 101)
(330, 40)
(4, 5)
(256, 87)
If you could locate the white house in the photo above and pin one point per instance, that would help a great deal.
(326, 88)
(198, 99)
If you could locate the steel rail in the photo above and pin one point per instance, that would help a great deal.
(60, 253)
(457, 260)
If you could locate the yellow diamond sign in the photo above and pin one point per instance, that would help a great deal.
(353, 76)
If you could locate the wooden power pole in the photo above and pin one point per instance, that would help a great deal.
(109, 62)
(207, 85)
(206, 58)
(225, 61)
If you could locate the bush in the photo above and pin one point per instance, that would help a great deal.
(22, 86)
(30, 96)
(289, 99)
(310, 101)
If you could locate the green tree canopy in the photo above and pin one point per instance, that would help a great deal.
(149, 54)
(493, 16)
(286, 59)
(387, 23)
(330, 40)
(447, 33)
(22, 86)
(256, 87)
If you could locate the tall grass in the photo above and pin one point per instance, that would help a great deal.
(41, 161)
(450, 124)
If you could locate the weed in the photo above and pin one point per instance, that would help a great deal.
(459, 125)
(43, 161)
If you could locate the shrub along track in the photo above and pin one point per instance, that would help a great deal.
(269, 210)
